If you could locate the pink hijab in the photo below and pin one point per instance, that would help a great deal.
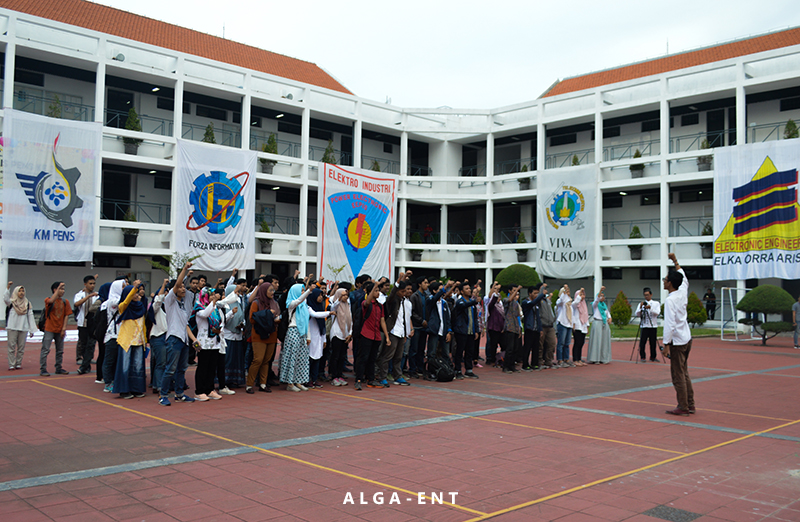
(583, 311)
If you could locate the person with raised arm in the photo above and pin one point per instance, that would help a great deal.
(678, 337)
(178, 305)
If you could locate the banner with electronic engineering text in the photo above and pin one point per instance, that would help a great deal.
(756, 227)
(216, 206)
(566, 210)
(50, 166)
(356, 215)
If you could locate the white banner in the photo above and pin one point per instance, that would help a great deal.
(216, 206)
(566, 213)
(756, 227)
(356, 215)
(48, 193)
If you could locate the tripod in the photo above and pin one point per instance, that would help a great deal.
(635, 345)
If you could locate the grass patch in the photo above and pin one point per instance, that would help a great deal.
(629, 330)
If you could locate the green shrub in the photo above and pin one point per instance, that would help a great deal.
(766, 299)
(621, 311)
(518, 274)
(695, 311)
(329, 156)
(209, 136)
(133, 123)
(790, 131)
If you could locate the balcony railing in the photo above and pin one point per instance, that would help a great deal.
(473, 170)
(419, 170)
(695, 141)
(463, 237)
(26, 102)
(150, 125)
(229, 138)
(690, 226)
(766, 132)
(342, 158)
(514, 166)
(427, 238)
(289, 225)
(564, 159)
(384, 165)
(627, 150)
(285, 148)
(115, 209)
(504, 236)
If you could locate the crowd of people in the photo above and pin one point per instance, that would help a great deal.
(396, 331)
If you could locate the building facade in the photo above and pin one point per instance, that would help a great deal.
(461, 171)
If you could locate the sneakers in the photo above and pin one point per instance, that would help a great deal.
(139, 395)
(302, 387)
(471, 375)
(11, 368)
(214, 395)
(108, 388)
(81, 371)
(201, 397)
(292, 388)
(126, 396)
(338, 381)
(98, 381)
(385, 383)
(184, 398)
(164, 401)
(459, 376)
(19, 367)
(402, 382)
(358, 386)
(44, 374)
(527, 369)
(678, 411)
(227, 391)
(374, 384)
(62, 371)
(317, 385)
(506, 370)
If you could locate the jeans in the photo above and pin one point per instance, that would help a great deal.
(110, 361)
(797, 334)
(464, 351)
(177, 362)
(435, 342)
(158, 354)
(564, 335)
(48, 338)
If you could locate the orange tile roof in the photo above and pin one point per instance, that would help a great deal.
(154, 32)
(674, 62)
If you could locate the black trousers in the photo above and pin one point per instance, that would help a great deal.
(512, 344)
(493, 340)
(578, 338)
(338, 355)
(648, 334)
(367, 354)
(464, 351)
(209, 363)
(530, 349)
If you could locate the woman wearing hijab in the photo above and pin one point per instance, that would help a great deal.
(102, 296)
(316, 310)
(341, 335)
(580, 326)
(19, 322)
(210, 344)
(294, 350)
(129, 379)
(263, 349)
(600, 339)
(234, 351)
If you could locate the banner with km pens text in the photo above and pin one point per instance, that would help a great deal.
(566, 210)
(216, 206)
(356, 212)
(756, 211)
(48, 194)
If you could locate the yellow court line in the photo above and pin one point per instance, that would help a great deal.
(704, 409)
(625, 474)
(505, 422)
(261, 450)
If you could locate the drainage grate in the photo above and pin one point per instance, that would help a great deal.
(671, 514)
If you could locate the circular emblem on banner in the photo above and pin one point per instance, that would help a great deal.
(565, 207)
(217, 201)
(358, 232)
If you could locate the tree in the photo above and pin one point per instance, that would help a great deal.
(575, 160)
(695, 311)
(174, 264)
(375, 166)
(790, 131)
(133, 123)
(621, 311)
(209, 137)
(766, 299)
(54, 110)
(329, 156)
(518, 274)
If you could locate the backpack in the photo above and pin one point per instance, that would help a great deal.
(283, 326)
(441, 368)
(263, 323)
(101, 325)
(43, 317)
(92, 316)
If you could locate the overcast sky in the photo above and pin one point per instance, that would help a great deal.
(469, 54)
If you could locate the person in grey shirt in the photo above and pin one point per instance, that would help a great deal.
(177, 305)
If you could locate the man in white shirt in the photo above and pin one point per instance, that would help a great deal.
(398, 311)
(678, 338)
(84, 350)
(648, 311)
(563, 327)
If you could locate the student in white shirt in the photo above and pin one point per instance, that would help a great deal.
(648, 311)
(678, 338)
(84, 350)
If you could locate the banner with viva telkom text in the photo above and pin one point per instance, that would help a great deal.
(50, 166)
(216, 206)
(566, 213)
(356, 215)
(756, 226)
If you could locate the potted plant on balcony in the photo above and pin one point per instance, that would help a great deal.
(704, 162)
(266, 244)
(329, 156)
(637, 169)
(522, 253)
(129, 235)
(524, 183)
(478, 239)
(270, 147)
(707, 249)
(132, 124)
(54, 110)
(208, 136)
(375, 166)
(636, 250)
(575, 160)
(790, 131)
(416, 255)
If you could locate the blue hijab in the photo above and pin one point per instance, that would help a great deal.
(136, 309)
(317, 307)
(102, 293)
(301, 312)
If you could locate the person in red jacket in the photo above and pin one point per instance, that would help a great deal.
(57, 311)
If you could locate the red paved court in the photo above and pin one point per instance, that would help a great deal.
(573, 445)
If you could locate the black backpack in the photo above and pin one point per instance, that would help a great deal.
(101, 325)
(283, 326)
(263, 323)
(43, 317)
(441, 368)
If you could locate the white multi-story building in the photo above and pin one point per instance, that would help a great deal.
(461, 170)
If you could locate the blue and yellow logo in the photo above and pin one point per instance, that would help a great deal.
(217, 201)
(360, 219)
(565, 207)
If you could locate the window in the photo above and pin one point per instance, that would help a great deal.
(387, 148)
(690, 119)
(64, 263)
(652, 125)
(112, 261)
(566, 139)
(255, 121)
(612, 201)
(187, 107)
(163, 182)
(790, 104)
(649, 274)
(612, 273)
(289, 128)
(320, 134)
(32, 78)
(166, 104)
(651, 198)
(211, 112)
(21, 262)
(690, 196)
